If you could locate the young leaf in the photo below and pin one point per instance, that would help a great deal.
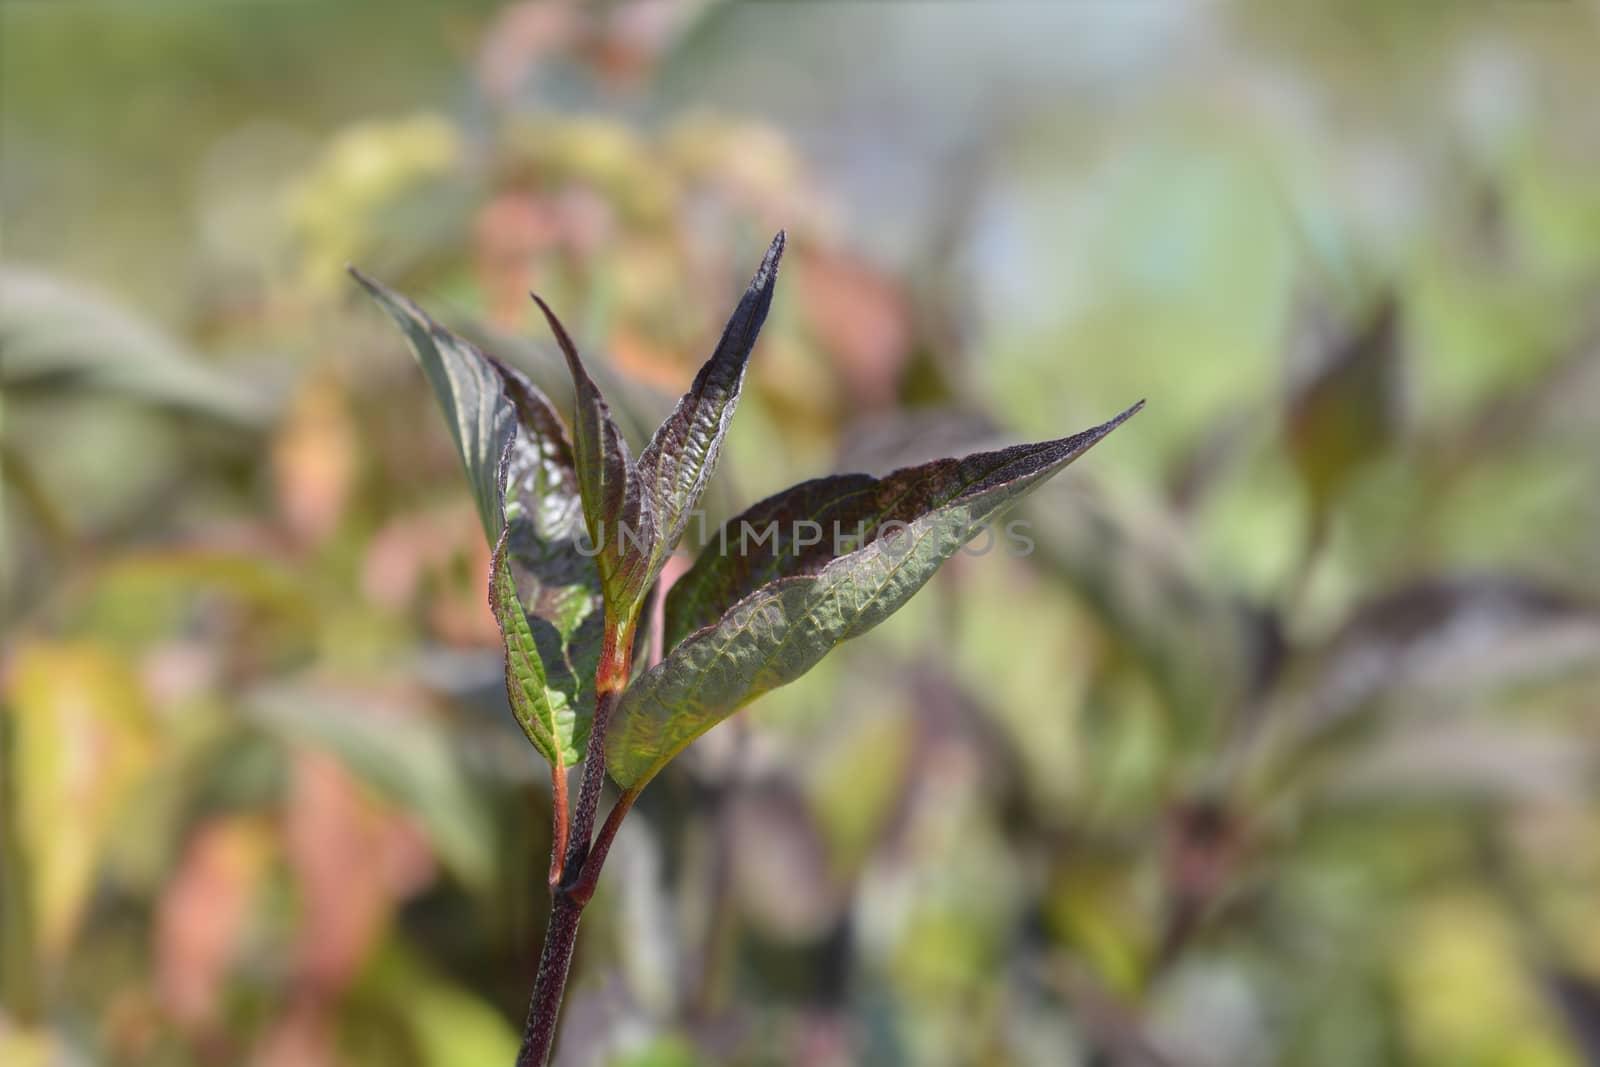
(809, 603)
(544, 591)
(772, 539)
(467, 387)
(675, 467)
(620, 521)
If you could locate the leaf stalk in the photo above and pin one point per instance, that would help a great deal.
(562, 818)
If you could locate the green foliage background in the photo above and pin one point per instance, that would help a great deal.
(1279, 747)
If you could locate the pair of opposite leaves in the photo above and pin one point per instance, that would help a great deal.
(581, 531)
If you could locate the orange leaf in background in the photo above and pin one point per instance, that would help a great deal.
(353, 860)
(627, 42)
(507, 237)
(303, 1036)
(639, 359)
(588, 220)
(422, 554)
(862, 320)
(460, 613)
(314, 459)
(521, 35)
(175, 672)
(409, 547)
(201, 916)
(132, 1025)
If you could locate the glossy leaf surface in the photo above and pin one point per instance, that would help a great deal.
(620, 524)
(809, 603)
(675, 467)
(467, 386)
(545, 592)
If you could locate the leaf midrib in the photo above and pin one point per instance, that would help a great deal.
(761, 578)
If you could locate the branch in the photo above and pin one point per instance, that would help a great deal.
(574, 865)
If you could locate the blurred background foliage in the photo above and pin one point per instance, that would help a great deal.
(1278, 748)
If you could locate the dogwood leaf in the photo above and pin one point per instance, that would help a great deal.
(545, 592)
(467, 387)
(675, 467)
(617, 512)
(809, 602)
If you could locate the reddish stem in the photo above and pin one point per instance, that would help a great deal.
(576, 867)
(583, 887)
(560, 938)
(561, 817)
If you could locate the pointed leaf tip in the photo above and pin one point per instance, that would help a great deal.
(544, 591)
(363, 279)
(564, 342)
(768, 271)
(468, 390)
(1107, 427)
(746, 619)
(682, 455)
(609, 486)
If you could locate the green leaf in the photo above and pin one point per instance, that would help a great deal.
(554, 708)
(544, 590)
(468, 387)
(448, 1025)
(57, 334)
(675, 467)
(669, 1051)
(810, 603)
(730, 568)
(1344, 416)
(620, 523)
